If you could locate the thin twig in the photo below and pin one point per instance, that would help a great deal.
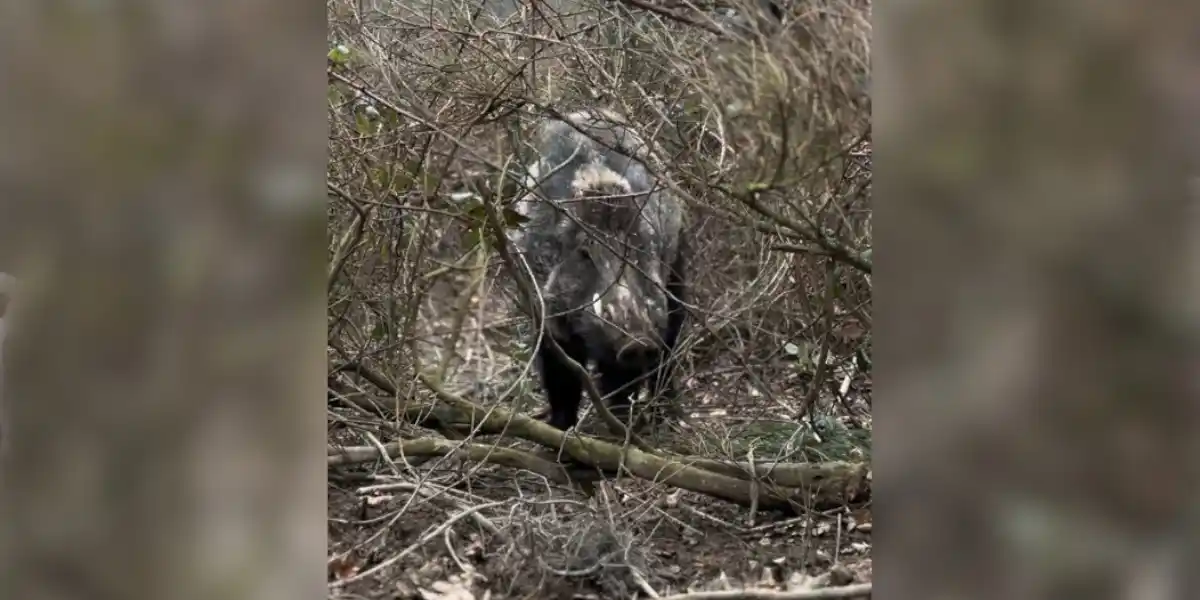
(860, 590)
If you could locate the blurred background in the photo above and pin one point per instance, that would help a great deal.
(1037, 437)
(161, 211)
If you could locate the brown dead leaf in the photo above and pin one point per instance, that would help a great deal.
(343, 567)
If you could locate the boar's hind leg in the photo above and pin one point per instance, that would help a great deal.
(563, 387)
(620, 381)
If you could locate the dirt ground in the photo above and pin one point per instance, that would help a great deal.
(598, 550)
(523, 537)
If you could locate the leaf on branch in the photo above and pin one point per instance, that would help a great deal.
(339, 55)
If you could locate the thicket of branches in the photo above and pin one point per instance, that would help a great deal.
(762, 128)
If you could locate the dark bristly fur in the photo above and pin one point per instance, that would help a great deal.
(607, 248)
